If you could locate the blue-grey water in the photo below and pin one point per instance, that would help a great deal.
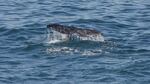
(26, 58)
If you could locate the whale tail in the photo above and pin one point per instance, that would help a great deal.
(57, 32)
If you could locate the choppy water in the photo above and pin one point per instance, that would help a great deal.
(25, 58)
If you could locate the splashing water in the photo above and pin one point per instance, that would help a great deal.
(71, 44)
(54, 36)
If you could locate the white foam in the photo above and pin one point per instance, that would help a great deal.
(61, 50)
(54, 41)
(56, 37)
(73, 51)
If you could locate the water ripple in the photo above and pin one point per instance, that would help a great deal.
(25, 57)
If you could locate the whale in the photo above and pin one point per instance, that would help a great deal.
(63, 32)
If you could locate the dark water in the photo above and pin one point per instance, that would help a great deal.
(25, 58)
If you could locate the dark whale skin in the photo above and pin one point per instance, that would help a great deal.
(72, 30)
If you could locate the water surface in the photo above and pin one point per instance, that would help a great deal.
(25, 58)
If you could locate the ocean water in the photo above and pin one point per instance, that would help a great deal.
(26, 57)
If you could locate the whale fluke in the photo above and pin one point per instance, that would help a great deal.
(63, 32)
